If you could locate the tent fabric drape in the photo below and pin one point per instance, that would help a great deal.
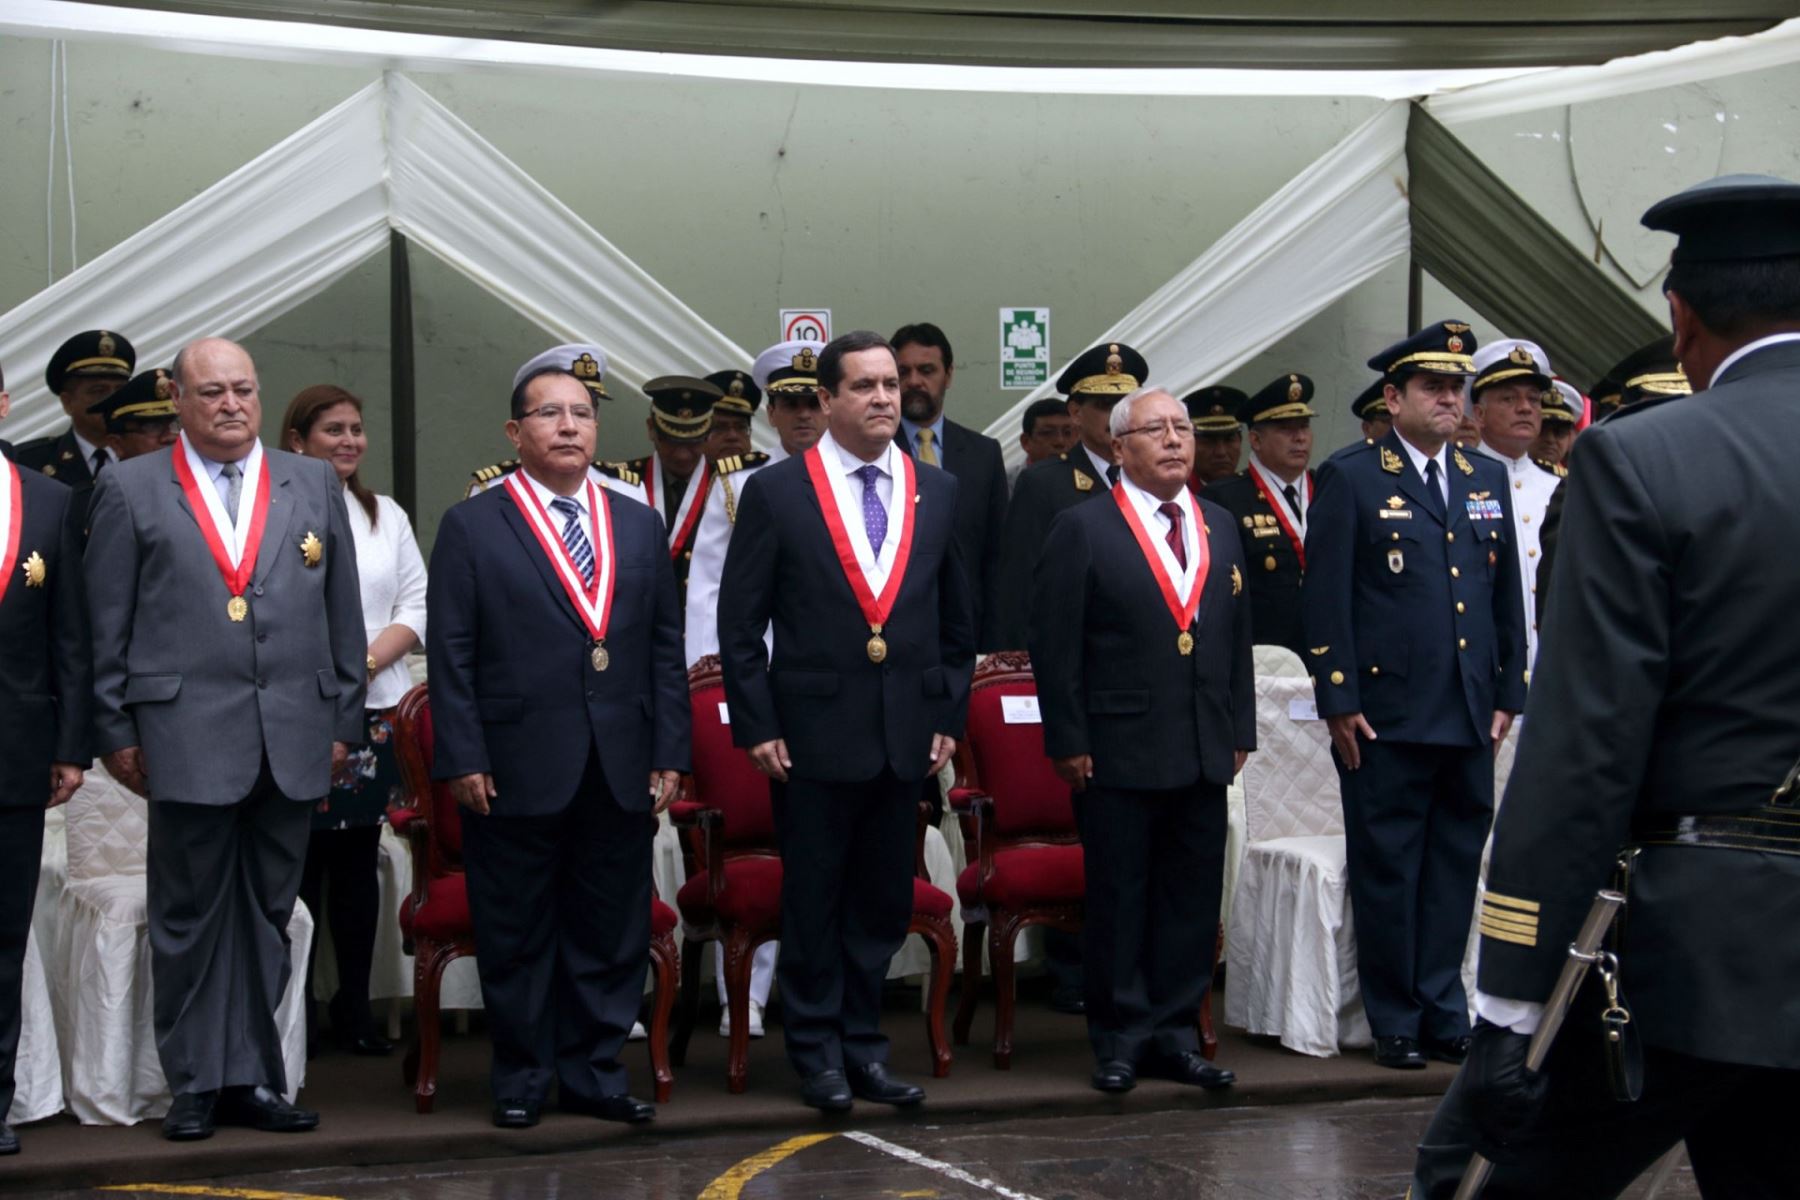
(1479, 239)
(1329, 228)
(303, 213)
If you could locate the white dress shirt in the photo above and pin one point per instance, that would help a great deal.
(840, 468)
(1156, 524)
(712, 537)
(233, 528)
(1530, 488)
(1441, 458)
(391, 573)
(1275, 484)
(1100, 465)
(88, 449)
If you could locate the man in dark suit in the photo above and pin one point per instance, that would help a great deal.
(850, 551)
(1268, 500)
(1665, 717)
(927, 366)
(1094, 381)
(1140, 642)
(46, 690)
(82, 372)
(1415, 636)
(560, 708)
(140, 419)
(229, 675)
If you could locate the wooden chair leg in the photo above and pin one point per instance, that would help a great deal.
(974, 935)
(691, 951)
(428, 974)
(663, 958)
(1002, 933)
(940, 941)
(1209, 1044)
(740, 955)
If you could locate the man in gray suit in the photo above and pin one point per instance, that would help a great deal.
(229, 659)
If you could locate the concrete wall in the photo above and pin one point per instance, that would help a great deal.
(887, 207)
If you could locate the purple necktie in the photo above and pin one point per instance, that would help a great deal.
(874, 516)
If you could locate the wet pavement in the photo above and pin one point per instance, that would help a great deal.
(1343, 1151)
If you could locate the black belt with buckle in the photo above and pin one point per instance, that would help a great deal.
(1772, 829)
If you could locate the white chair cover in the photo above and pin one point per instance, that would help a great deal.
(37, 1071)
(1290, 942)
(101, 987)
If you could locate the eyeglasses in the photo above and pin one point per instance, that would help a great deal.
(550, 414)
(1183, 430)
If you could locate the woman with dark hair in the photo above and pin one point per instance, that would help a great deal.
(325, 421)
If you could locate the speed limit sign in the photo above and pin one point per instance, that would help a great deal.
(806, 324)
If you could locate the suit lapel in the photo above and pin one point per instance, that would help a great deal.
(515, 521)
(282, 503)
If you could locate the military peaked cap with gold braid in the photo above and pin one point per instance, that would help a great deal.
(791, 366)
(1108, 371)
(1283, 400)
(95, 354)
(1649, 371)
(681, 406)
(583, 360)
(738, 393)
(149, 396)
(1441, 348)
(1510, 360)
(1371, 403)
(1214, 410)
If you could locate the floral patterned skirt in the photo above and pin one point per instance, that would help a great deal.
(368, 782)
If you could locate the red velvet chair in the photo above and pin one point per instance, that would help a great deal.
(733, 891)
(1018, 821)
(434, 920)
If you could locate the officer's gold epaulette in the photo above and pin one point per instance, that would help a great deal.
(737, 462)
(1556, 469)
(619, 471)
(491, 473)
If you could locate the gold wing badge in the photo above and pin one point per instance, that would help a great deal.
(311, 549)
(34, 570)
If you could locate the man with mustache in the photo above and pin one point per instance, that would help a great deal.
(1415, 638)
(1218, 433)
(927, 366)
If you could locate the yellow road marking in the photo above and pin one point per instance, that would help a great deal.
(195, 1189)
(731, 1183)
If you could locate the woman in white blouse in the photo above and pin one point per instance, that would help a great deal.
(325, 422)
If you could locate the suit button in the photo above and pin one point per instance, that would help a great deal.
(590, 694)
(262, 681)
(1337, 677)
(1525, 517)
(1460, 608)
(256, 591)
(1374, 670)
(1462, 643)
(1531, 553)
(262, 637)
(1455, 573)
(1518, 483)
(1450, 535)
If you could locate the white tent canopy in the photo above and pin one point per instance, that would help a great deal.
(284, 226)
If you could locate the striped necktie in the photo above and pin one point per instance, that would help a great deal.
(580, 549)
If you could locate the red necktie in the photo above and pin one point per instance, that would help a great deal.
(1176, 542)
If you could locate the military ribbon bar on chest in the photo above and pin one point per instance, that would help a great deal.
(593, 602)
(234, 554)
(875, 609)
(1182, 610)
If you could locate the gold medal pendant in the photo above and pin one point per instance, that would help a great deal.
(237, 608)
(599, 656)
(1185, 643)
(877, 646)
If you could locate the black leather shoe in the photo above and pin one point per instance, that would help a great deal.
(190, 1117)
(1400, 1053)
(1114, 1076)
(9, 1141)
(262, 1108)
(515, 1114)
(1070, 1002)
(1452, 1051)
(872, 1082)
(367, 1045)
(625, 1109)
(1190, 1068)
(828, 1091)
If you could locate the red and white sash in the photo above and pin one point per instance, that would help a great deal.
(1284, 514)
(875, 609)
(11, 522)
(593, 603)
(1182, 610)
(687, 513)
(234, 544)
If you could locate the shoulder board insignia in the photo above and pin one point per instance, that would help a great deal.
(1462, 464)
(1319, 651)
(1390, 462)
(1083, 481)
(619, 471)
(737, 462)
(1556, 469)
